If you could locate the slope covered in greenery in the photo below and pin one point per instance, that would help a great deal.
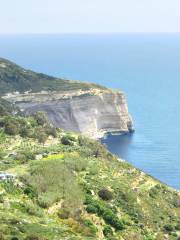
(15, 78)
(71, 187)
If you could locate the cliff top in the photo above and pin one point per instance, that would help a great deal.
(15, 78)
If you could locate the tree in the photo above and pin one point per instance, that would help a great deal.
(41, 118)
(11, 128)
(105, 194)
(42, 137)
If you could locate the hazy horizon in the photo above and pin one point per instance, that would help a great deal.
(90, 16)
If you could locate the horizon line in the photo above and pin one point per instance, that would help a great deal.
(86, 33)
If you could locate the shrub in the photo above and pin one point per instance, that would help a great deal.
(105, 194)
(154, 191)
(66, 140)
(30, 192)
(25, 155)
(41, 118)
(93, 169)
(52, 181)
(91, 226)
(76, 163)
(107, 214)
(11, 128)
(168, 227)
(41, 136)
(88, 198)
(25, 132)
(112, 219)
(107, 231)
(177, 227)
(91, 209)
(97, 149)
(51, 131)
(63, 213)
(33, 209)
(21, 157)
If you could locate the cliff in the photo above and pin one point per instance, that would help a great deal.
(71, 105)
(93, 112)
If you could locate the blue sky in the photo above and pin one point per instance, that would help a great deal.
(86, 16)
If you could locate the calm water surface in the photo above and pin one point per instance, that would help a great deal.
(145, 67)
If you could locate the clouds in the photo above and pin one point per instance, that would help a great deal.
(58, 16)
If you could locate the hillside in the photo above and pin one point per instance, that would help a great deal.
(56, 184)
(15, 78)
(66, 186)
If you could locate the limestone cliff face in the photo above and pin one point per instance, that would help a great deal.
(93, 113)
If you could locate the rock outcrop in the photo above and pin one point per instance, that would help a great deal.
(93, 112)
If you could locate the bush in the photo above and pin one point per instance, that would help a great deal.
(33, 209)
(97, 149)
(41, 118)
(25, 132)
(63, 213)
(91, 226)
(24, 156)
(66, 140)
(112, 219)
(76, 163)
(177, 227)
(105, 194)
(107, 214)
(30, 192)
(51, 131)
(11, 129)
(53, 181)
(91, 209)
(168, 227)
(21, 157)
(41, 136)
(107, 231)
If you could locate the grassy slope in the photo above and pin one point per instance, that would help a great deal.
(14, 78)
(70, 177)
(143, 205)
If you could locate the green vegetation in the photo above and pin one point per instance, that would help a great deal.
(14, 78)
(36, 127)
(70, 187)
(105, 194)
(7, 108)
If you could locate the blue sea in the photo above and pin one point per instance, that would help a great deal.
(146, 67)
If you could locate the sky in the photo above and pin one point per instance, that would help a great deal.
(89, 16)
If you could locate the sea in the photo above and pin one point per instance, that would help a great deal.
(146, 67)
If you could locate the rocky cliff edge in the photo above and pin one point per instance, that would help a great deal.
(94, 112)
